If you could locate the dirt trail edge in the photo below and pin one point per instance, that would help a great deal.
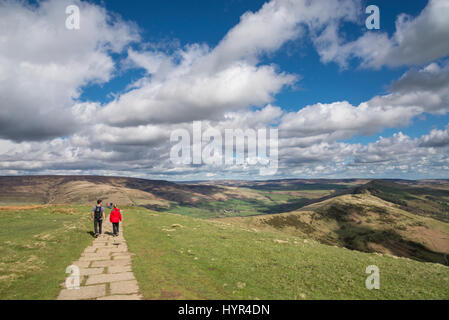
(105, 271)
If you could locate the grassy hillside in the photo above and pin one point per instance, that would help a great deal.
(366, 223)
(37, 244)
(422, 198)
(179, 257)
(250, 201)
(205, 200)
(394, 217)
(87, 189)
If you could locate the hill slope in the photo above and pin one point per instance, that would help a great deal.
(207, 200)
(179, 257)
(402, 218)
(363, 222)
(86, 189)
(425, 198)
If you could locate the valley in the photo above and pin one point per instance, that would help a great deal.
(398, 224)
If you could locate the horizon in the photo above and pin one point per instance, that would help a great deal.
(107, 88)
(221, 180)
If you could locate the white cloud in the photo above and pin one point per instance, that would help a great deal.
(196, 96)
(418, 91)
(416, 41)
(436, 138)
(43, 77)
(198, 82)
(342, 120)
(43, 65)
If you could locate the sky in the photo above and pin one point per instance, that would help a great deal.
(107, 97)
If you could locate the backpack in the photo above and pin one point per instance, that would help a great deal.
(98, 214)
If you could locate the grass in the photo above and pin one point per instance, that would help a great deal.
(37, 244)
(274, 202)
(424, 201)
(299, 186)
(229, 208)
(284, 196)
(179, 257)
(365, 223)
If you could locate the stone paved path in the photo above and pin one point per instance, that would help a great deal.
(105, 270)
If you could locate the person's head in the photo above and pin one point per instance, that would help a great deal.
(99, 202)
(115, 205)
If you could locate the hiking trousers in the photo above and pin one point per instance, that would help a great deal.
(98, 223)
(115, 227)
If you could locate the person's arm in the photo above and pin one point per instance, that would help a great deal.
(104, 217)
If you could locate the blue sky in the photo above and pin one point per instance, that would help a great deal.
(208, 22)
(104, 99)
(203, 21)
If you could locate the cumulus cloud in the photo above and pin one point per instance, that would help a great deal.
(395, 156)
(427, 87)
(416, 41)
(386, 149)
(436, 138)
(341, 120)
(130, 135)
(198, 82)
(196, 97)
(43, 65)
(424, 90)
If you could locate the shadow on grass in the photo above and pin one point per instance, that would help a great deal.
(91, 233)
(357, 237)
(354, 236)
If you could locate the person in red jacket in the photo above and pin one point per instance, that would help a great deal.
(115, 217)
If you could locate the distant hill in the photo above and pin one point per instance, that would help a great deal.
(153, 194)
(290, 184)
(268, 196)
(427, 198)
(87, 189)
(363, 222)
(398, 217)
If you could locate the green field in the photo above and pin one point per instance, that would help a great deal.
(215, 209)
(36, 247)
(179, 257)
(269, 202)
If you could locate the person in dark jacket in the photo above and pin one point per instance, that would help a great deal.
(115, 217)
(98, 217)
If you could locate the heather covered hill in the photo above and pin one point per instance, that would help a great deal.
(363, 222)
(243, 239)
(86, 189)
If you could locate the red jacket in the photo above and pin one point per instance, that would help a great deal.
(115, 215)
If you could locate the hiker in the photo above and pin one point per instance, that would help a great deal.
(98, 217)
(115, 217)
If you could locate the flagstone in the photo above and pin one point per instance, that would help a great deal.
(106, 263)
(84, 292)
(124, 287)
(109, 277)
